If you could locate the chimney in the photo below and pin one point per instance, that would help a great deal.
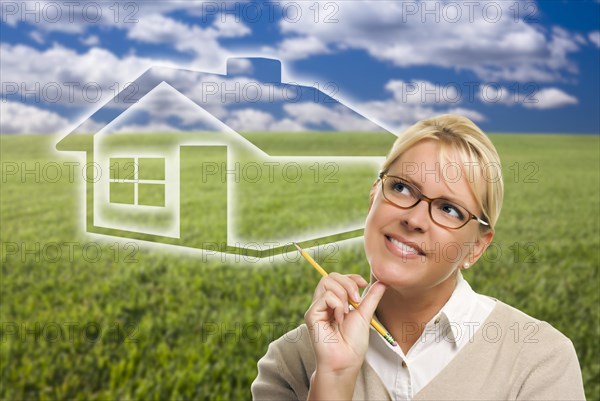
(257, 68)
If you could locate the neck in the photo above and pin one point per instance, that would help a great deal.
(405, 314)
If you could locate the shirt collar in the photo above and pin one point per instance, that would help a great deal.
(456, 309)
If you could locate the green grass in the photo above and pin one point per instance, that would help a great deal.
(193, 327)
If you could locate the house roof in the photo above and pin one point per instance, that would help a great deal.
(253, 83)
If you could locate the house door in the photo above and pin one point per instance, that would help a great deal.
(203, 197)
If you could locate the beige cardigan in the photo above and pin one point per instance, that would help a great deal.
(535, 362)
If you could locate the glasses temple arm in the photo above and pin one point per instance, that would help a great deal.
(480, 221)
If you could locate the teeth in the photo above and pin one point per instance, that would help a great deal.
(403, 246)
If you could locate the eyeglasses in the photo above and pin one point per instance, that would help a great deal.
(443, 212)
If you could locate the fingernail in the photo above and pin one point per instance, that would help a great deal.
(356, 296)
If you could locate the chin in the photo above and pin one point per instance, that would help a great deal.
(395, 273)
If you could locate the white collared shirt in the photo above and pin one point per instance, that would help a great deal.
(443, 337)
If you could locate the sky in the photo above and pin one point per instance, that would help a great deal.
(510, 66)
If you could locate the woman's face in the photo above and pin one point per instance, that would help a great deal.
(405, 248)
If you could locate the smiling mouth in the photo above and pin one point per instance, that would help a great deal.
(405, 248)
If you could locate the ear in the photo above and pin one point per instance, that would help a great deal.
(372, 193)
(480, 246)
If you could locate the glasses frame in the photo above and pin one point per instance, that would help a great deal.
(420, 197)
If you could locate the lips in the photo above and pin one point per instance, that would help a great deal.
(402, 246)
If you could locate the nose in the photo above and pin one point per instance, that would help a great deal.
(417, 218)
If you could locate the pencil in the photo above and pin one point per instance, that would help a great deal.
(376, 325)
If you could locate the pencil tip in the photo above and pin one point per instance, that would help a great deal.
(297, 247)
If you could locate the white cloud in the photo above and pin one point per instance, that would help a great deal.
(338, 117)
(530, 97)
(86, 80)
(91, 40)
(249, 120)
(470, 114)
(229, 28)
(297, 48)
(494, 49)
(398, 116)
(424, 92)
(156, 28)
(550, 98)
(287, 125)
(495, 94)
(202, 43)
(77, 17)
(412, 101)
(163, 109)
(308, 113)
(239, 66)
(89, 126)
(37, 37)
(594, 37)
(499, 50)
(258, 120)
(63, 76)
(19, 118)
(165, 103)
(151, 127)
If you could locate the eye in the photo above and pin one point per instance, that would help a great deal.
(452, 211)
(401, 188)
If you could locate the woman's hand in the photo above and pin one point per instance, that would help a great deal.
(341, 336)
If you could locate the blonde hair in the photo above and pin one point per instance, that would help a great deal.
(472, 147)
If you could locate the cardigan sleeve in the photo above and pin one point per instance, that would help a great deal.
(555, 373)
(284, 372)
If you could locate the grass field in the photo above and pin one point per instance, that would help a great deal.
(92, 317)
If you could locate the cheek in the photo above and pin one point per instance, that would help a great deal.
(455, 248)
(373, 224)
(372, 217)
(369, 229)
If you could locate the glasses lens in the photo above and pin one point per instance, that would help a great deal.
(399, 192)
(448, 214)
(443, 212)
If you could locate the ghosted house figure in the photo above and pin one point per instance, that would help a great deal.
(214, 182)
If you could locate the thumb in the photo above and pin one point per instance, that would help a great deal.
(371, 300)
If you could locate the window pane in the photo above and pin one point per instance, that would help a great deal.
(151, 168)
(122, 169)
(121, 193)
(151, 194)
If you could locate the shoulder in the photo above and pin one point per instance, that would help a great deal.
(295, 344)
(284, 371)
(545, 364)
(292, 353)
(519, 340)
(533, 343)
(525, 328)
(513, 356)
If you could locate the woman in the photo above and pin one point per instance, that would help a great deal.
(433, 212)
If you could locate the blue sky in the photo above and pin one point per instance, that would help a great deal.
(510, 66)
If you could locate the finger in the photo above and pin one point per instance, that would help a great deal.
(337, 305)
(348, 284)
(331, 283)
(371, 300)
(359, 280)
(327, 307)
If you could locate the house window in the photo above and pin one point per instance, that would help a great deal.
(137, 181)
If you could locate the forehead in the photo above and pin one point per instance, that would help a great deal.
(438, 170)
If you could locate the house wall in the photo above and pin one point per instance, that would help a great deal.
(125, 165)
